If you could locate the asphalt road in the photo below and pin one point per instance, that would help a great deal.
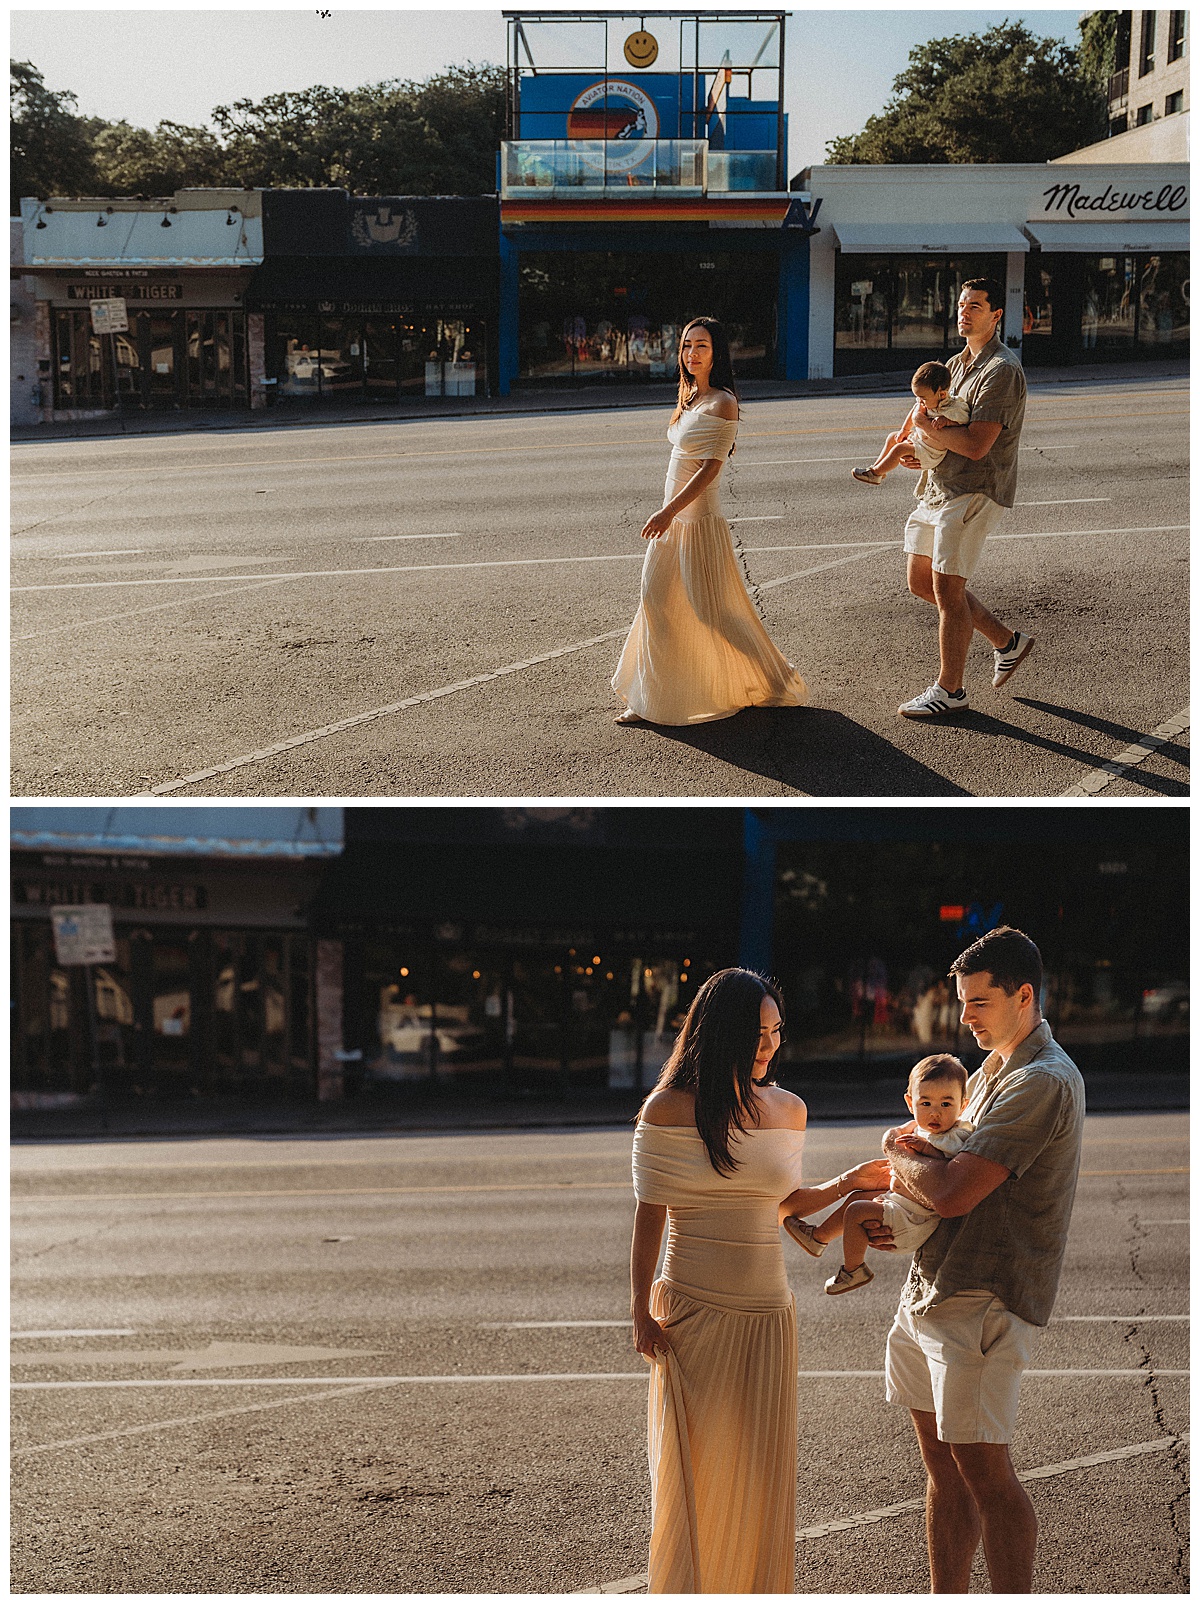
(238, 614)
(217, 1287)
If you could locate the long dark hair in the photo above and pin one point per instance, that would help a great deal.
(714, 1058)
(721, 377)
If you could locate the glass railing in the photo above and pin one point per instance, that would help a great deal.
(629, 167)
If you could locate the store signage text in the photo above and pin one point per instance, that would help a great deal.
(159, 896)
(130, 292)
(1074, 201)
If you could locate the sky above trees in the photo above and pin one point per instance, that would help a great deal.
(145, 66)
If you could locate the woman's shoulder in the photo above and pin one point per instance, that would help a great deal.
(670, 1106)
(782, 1110)
(721, 404)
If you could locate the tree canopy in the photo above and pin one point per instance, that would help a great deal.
(1000, 96)
(395, 138)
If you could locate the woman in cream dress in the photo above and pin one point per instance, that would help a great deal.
(697, 649)
(716, 1158)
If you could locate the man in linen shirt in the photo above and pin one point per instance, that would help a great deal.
(985, 1281)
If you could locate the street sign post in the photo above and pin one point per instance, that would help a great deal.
(83, 936)
(110, 316)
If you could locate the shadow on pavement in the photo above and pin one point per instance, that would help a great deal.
(814, 750)
(1103, 726)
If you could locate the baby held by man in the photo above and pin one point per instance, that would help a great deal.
(935, 1096)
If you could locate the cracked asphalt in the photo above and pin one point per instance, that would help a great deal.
(240, 1274)
(222, 597)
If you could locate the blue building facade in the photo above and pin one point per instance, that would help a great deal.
(643, 182)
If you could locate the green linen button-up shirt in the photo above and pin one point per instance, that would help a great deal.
(1028, 1115)
(993, 386)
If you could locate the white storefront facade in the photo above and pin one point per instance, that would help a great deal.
(1093, 259)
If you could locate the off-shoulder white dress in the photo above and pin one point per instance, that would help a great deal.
(697, 649)
(722, 1426)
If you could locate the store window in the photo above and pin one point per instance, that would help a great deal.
(534, 1016)
(166, 359)
(357, 357)
(592, 314)
(900, 304)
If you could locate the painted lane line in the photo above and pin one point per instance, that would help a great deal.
(71, 556)
(445, 690)
(190, 1420)
(505, 562)
(1147, 1372)
(762, 518)
(115, 1331)
(1164, 1222)
(1137, 753)
(339, 573)
(547, 1325)
(370, 539)
(912, 1506)
(1074, 501)
(137, 612)
(346, 1191)
(1123, 1319)
(401, 1191)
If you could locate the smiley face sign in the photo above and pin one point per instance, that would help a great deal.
(641, 49)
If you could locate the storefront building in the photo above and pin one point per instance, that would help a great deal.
(642, 183)
(377, 298)
(514, 950)
(181, 265)
(1094, 260)
(215, 986)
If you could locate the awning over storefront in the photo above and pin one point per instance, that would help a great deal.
(1115, 236)
(346, 283)
(182, 831)
(941, 238)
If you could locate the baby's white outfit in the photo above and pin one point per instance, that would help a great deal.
(955, 410)
(910, 1222)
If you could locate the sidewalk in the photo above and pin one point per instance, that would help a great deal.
(453, 1114)
(530, 401)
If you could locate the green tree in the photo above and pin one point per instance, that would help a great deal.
(50, 150)
(1000, 96)
(434, 138)
(136, 161)
(1098, 47)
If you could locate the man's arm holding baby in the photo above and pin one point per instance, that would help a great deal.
(951, 1187)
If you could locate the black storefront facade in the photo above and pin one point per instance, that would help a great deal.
(379, 298)
(523, 950)
(213, 991)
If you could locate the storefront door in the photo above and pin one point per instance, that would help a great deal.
(162, 339)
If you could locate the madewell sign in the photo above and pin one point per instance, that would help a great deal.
(1084, 201)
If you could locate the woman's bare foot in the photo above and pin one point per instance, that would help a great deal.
(629, 717)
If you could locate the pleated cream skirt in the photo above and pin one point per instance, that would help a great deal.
(722, 1443)
(697, 649)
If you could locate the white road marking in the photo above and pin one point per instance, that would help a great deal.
(70, 556)
(1164, 1222)
(1143, 1373)
(136, 612)
(1141, 749)
(443, 690)
(190, 1420)
(763, 518)
(546, 1325)
(1124, 1319)
(369, 539)
(907, 1506)
(507, 562)
(1074, 501)
(100, 1331)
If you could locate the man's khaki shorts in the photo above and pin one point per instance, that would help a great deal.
(962, 1362)
(952, 534)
